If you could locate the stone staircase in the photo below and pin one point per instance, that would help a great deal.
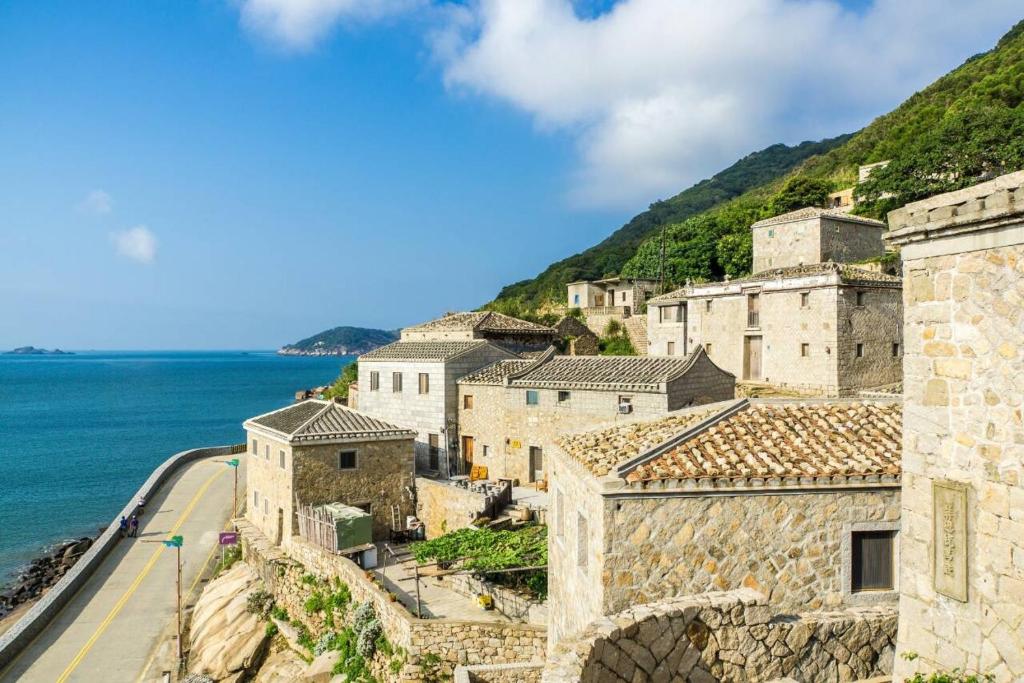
(512, 517)
(636, 330)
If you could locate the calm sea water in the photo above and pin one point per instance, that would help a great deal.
(79, 434)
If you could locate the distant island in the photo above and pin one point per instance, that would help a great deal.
(340, 341)
(33, 351)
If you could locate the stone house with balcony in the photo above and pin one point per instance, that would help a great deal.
(798, 501)
(805, 322)
(615, 298)
(962, 583)
(413, 383)
(511, 413)
(318, 452)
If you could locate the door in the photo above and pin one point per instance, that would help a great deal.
(280, 526)
(752, 358)
(536, 463)
(467, 451)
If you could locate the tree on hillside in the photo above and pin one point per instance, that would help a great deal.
(799, 192)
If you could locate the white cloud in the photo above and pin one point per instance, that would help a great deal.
(138, 243)
(96, 202)
(660, 93)
(300, 24)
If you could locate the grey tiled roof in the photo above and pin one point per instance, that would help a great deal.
(626, 373)
(423, 350)
(815, 212)
(847, 275)
(495, 373)
(315, 420)
(481, 321)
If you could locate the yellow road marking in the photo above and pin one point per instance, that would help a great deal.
(123, 600)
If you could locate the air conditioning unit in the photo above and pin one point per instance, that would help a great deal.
(625, 408)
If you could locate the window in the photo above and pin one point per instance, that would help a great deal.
(581, 541)
(266, 505)
(576, 299)
(280, 457)
(753, 310)
(467, 401)
(860, 350)
(707, 306)
(486, 451)
(671, 348)
(871, 558)
(365, 506)
(266, 452)
(255, 448)
(707, 349)
(623, 296)
(862, 298)
(805, 350)
(433, 452)
(374, 380)
(805, 299)
(347, 460)
(771, 233)
(895, 349)
(424, 383)
(256, 500)
(396, 382)
(564, 396)
(532, 397)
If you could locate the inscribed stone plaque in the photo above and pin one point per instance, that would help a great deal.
(950, 535)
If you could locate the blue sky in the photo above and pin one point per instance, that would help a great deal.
(243, 173)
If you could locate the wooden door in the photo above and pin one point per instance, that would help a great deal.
(536, 463)
(467, 450)
(752, 358)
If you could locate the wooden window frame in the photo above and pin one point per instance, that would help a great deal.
(374, 380)
(467, 402)
(396, 382)
(424, 383)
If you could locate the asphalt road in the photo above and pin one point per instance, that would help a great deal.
(114, 624)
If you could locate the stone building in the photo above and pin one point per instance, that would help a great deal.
(962, 587)
(576, 339)
(504, 330)
(626, 294)
(320, 452)
(512, 412)
(802, 321)
(799, 501)
(412, 383)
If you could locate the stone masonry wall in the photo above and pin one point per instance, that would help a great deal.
(443, 507)
(726, 637)
(877, 325)
(786, 244)
(452, 641)
(964, 388)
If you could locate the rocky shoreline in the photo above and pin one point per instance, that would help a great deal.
(41, 574)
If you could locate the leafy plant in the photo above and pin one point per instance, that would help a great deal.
(314, 603)
(271, 629)
(280, 613)
(260, 603)
(303, 637)
(339, 389)
(231, 555)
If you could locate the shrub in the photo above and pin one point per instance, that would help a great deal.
(280, 614)
(325, 643)
(304, 638)
(231, 555)
(259, 603)
(364, 614)
(271, 629)
(366, 642)
(314, 603)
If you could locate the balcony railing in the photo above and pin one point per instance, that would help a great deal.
(753, 319)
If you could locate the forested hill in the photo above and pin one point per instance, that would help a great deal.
(965, 127)
(340, 341)
(609, 256)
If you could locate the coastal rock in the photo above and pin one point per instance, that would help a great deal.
(226, 640)
(42, 573)
(281, 666)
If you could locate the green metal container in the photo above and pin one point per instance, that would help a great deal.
(352, 525)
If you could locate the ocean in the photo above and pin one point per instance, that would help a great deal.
(79, 434)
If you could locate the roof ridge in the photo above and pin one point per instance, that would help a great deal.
(325, 409)
(543, 358)
(282, 409)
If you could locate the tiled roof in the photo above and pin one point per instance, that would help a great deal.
(815, 212)
(495, 373)
(626, 373)
(315, 420)
(785, 440)
(601, 450)
(423, 350)
(481, 321)
(847, 275)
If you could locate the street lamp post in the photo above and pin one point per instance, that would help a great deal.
(175, 542)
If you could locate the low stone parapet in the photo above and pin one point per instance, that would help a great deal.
(499, 673)
(733, 636)
(513, 604)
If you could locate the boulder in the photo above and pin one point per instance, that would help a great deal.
(226, 640)
(280, 666)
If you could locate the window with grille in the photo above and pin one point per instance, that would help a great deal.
(564, 396)
(347, 460)
(871, 557)
(424, 383)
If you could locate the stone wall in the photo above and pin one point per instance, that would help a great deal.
(443, 507)
(786, 244)
(499, 673)
(877, 325)
(513, 604)
(963, 451)
(647, 545)
(452, 641)
(731, 636)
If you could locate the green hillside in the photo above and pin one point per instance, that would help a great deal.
(965, 127)
(610, 255)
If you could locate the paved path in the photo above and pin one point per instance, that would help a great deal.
(108, 630)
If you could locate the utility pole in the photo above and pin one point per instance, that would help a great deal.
(233, 464)
(661, 266)
(176, 542)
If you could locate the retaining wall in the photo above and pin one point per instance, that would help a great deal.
(41, 613)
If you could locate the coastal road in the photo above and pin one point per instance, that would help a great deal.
(120, 616)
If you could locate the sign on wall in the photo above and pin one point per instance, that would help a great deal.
(516, 443)
(949, 532)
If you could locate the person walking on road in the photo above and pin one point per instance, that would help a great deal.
(140, 507)
(124, 526)
(134, 527)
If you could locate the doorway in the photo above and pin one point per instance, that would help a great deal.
(467, 452)
(536, 464)
(752, 358)
(280, 526)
